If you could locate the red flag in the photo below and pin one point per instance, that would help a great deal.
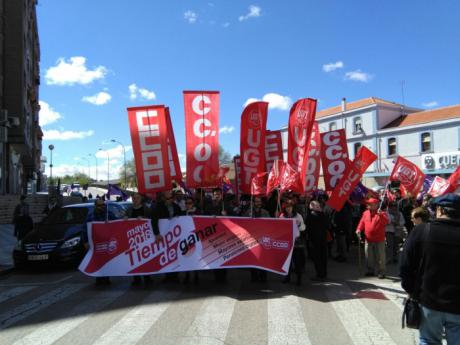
(301, 118)
(290, 180)
(454, 180)
(313, 161)
(148, 129)
(223, 171)
(259, 184)
(273, 148)
(439, 187)
(410, 176)
(236, 162)
(202, 137)
(252, 143)
(274, 177)
(334, 157)
(351, 177)
(174, 164)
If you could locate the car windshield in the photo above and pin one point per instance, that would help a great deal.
(70, 215)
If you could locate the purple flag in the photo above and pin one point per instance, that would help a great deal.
(359, 193)
(115, 190)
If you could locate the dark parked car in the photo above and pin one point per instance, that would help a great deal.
(57, 239)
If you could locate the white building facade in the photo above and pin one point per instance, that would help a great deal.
(430, 138)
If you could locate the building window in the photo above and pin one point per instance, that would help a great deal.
(332, 126)
(357, 125)
(356, 148)
(392, 149)
(426, 142)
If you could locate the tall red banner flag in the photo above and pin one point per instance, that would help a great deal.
(334, 157)
(301, 118)
(273, 148)
(149, 133)
(351, 178)
(410, 176)
(314, 160)
(252, 143)
(202, 137)
(173, 157)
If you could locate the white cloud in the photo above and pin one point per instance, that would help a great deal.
(431, 104)
(254, 11)
(358, 75)
(226, 25)
(135, 91)
(332, 66)
(190, 16)
(54, 134)
(226, 129)
(114, 153)
(275, 101)
(73, 71)
(47, 114)
(98, 99)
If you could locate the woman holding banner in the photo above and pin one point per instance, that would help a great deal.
(139, 210)
(298, 255)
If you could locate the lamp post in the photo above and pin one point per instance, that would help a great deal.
(90, 154)
(124, 158)
(51, 147)
(108, 167)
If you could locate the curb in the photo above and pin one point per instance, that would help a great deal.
(6, 270)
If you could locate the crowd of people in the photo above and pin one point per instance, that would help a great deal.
(325, 234)
(423, 236)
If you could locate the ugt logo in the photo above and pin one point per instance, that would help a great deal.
(254, 119)
(407, 175)
(302, 116)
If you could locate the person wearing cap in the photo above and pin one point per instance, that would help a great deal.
(437, 247)
(372, 225)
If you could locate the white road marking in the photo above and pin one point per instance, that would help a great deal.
(51, 331)
(38, 283)
(132, 327)
(216, 311)
(6, 295)
(360, 324)
(24, 310)
(286, 324)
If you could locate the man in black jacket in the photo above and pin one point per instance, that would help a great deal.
(317, 225)
(165, 209)
(440, 275)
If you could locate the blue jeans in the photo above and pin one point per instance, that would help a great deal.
(432, 325)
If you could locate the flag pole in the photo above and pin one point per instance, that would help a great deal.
(384, 196)
(278, 205)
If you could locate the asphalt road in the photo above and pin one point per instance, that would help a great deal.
(65, 307)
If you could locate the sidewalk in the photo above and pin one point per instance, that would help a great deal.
(7, 243)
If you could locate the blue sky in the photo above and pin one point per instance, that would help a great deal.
(100, 57)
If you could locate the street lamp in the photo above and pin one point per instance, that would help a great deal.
(124, 158)
(90, 154)
(108, 166)
(51, 147)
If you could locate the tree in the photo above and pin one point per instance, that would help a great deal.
(224, 156)
(77, 177)
(131, 178)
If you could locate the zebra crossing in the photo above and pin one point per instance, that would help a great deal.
(236, 313)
